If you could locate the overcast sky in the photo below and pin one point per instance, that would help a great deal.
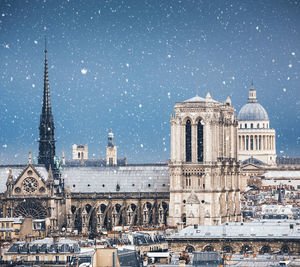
(124, 64)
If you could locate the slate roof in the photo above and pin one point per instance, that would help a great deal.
(270, 229)
(16, 171)
(45, 245)
(92, 162)
(122, 179)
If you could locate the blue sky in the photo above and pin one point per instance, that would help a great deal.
(123, 65)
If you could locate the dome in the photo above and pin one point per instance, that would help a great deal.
(253, 112)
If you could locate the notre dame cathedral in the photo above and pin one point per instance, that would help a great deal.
(200, 185)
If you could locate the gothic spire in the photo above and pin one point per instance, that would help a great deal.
(46, 141)
(46, 102)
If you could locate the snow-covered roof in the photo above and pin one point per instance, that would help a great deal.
(16, 171)
(282, 174)
(122, 179)
(201, 99)
(271, 229)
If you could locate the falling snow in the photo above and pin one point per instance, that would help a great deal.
(124, 67)
(83, 71)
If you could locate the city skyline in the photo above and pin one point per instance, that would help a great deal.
(124, 65)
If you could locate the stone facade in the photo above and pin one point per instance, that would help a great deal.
(29, 194)
(255, 138)
(80, 152)
(111, 151)
(237, 246)
(204, 172)
(95, 212)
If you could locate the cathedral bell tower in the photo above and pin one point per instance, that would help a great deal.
(204, 171)
(46, 140)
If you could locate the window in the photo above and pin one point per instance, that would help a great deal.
(251, 125)
(251, 143)
(79, 155)
(110, 161)
(188, 142)
(200, 141)
(37, 258)
(188, 180)
(258, 125)
(245, 125)
(57, 258)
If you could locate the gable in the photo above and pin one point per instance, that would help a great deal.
(251, 167)
(29, 183)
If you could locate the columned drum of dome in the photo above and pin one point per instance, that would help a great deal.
(204, 172)
(256, 140)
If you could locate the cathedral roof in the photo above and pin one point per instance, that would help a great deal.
(201, 99)
(119, 179)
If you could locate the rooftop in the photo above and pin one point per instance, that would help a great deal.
(271, 229)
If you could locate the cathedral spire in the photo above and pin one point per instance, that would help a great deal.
(46, 141)
(46, 102)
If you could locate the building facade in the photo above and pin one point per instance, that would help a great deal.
(256, 140)
(204, 172)
(258, 237)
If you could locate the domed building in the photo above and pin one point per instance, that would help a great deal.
(256, 141)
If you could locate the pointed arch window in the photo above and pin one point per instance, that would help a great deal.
(200, 141)
(188, 141)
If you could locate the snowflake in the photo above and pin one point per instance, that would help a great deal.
(35, 41)
(142, 145)
(169, 56)
(290, 65)
(83, 71)
(140, 105)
